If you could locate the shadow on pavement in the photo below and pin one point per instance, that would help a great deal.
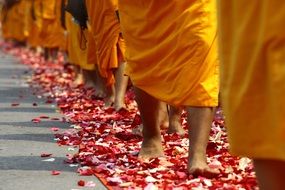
(29, 137)
(35, 163)
(43, 123)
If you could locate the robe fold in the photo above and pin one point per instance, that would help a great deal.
(171, 49)
(252, 51)
(105, 27)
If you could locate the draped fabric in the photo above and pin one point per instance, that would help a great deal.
(252, 49)
(52, 32)
(76, 55)
(105, 28)
(13, 22)
(171, 49)
(31, 30)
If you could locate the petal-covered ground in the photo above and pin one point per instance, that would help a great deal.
(109, 150)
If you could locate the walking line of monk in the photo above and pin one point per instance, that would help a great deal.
(168, 49)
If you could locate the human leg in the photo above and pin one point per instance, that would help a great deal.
(174, 120)
(100, 88)
(110, 95)
(170, 121)
(121, 85)
(199, 120)
(46, 54)
(78, 75)
(89, 78)
(162, 119)
(149, 110)
(54, 54)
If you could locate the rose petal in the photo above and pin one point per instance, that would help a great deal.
(36, 120)
(85, 171)
(150, 186)
(55, 172)
(15, 104)
(54, 129)
(90, 184)
(181, 175)
(44, 117)
(46, 154)
(150, 179)
(243, 163)
(81, 183)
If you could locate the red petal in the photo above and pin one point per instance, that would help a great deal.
(85, 171)
(45, 155)
(15, 104)
(81, 183)
(181, 175)
(55, 172)
(44, 117)
(36, 120)
(54, 129)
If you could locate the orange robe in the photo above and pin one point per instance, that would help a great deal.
(52, 33)
(13, 23)
(171, 49)
(252, 51)
(105, 28)
(31, 30)
(91, 50)
(27, 16)
(76, 45)
(4, 23)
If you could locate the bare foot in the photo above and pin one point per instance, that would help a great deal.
(151, 148)
(89, 84)
(99, 94)
(79, 79)
(100, 91)
(176, 127)
(119, 105)
(200, 168)
(164, 124)
(109, 101)
(163, 117)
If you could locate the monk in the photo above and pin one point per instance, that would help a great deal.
(52, 33)
(90, 73)
(172, 57)
(12, 22)
(31, 29)
(110, 49)
(79, 45)
(252, 48)
(97, 79)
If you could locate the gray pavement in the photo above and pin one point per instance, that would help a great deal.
(22, 141)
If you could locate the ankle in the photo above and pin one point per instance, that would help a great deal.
(198, 156)
(151, 140)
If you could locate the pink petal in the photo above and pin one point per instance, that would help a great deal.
(55, 172)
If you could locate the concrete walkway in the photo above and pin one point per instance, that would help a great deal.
(22, 141)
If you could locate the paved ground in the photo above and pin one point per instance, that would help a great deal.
(22, 142)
